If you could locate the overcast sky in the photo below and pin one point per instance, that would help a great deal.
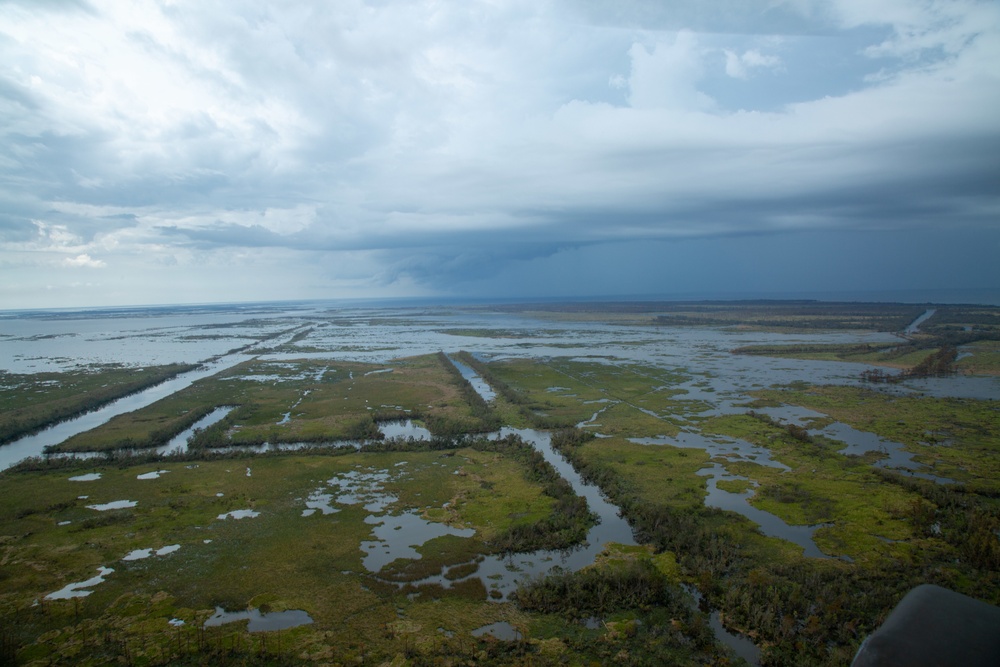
(184, 151)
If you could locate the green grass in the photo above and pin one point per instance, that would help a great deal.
(29, 402)
(953, 437)
(984, 359)
(280, 558)
(284, 560)
(870, 520)
(325, 400)
(564, 392)
(661, 474)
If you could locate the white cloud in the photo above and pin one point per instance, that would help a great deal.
(667, 77)
(83, 261)
(738, 66)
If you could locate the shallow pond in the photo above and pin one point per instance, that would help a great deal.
(77, 590)
(258, 621)
(404, 429)
(114, 505)
(500, 630)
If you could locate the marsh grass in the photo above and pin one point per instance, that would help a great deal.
(660, 474)
(30, 402)
(632, 400)
(280, 558)
(295, 401)
(983, 359)
(956, 438)
(898, 532)
(823, 486)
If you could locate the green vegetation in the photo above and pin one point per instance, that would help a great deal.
(323, 515)
(867, 517)
(916, 359)
(983, 359)
(806, 610)
(280, 559)
(961, 324)
(934, 349)
(777, 315)
(647, 618)
(302, 401)
(558, 393)
(799, 315)
(31, 402)
(568, 518)
(955, 438)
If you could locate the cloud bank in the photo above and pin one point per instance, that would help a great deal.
(178, 151)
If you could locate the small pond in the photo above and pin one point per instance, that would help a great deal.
(260, 621)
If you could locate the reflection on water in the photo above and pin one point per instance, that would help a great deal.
(861, 442)
(141, 554)
(114, 505)
(716, 383)
(404, 429)
(500, 630)
(481, 387)
(76, 590)
(239, 514)
(502, 574)
(770, 525)
(259, 621)
(395, 535)
(740, 450)
(399, 536)
(35, 445)
(740, 644)
(735, 449)
(915, 324)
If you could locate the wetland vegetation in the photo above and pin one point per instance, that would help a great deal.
(292, 530)
(29, 402)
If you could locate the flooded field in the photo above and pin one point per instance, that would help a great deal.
(734, 447)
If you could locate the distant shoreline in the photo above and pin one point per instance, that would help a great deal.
(976, 297)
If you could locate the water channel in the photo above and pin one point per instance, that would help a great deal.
(36, 443)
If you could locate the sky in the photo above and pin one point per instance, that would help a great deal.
(190, 152)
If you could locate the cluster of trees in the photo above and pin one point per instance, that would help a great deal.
(794, 431)
(798, 315)
(967, 520)
(941, 362)
(958, 325)
(935, 364)
(603, 590)
(781, 350)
